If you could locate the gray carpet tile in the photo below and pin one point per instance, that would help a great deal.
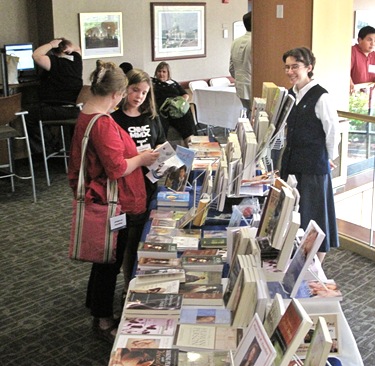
(43, 317)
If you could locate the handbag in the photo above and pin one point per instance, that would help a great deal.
(174, 108)
(91, 237)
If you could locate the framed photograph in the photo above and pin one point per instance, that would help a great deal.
(101, 34)
(361, 19)
(178, 30)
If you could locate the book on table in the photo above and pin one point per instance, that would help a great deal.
(255, 347)
(205, 358)
(205, 315)
(300, 263)
(163, 222)
(332, 327)
(141, 303)
(154, 356)
(290, 332)
(320, 345)
(203, 277)
(198, 252)
(148, 325)
(150, 263)
(274, 314)
(132, 341)
(205, 295)
(159, 275)
(198, 337)
(202, 262)
(166, 287)
(157, 250)
(173, 199)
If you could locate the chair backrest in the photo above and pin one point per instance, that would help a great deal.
(8, 107)
(197, 84)
(219, 81)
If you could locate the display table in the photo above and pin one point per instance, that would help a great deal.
(217, 106)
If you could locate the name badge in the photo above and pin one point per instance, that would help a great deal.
(118, 222)
(371, 68)
(143, 147)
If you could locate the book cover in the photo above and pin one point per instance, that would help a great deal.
(147, 356)
(332, 324)
(207, 337)
(211, 295)
(300, 262)
(320, 345)
(159, 275)
(196, 252)
(255, 347)
(166, 222)
(202, 277)
(157, 250)
(219, 243)
(207, 316)
(205, 358)
(173, 199)
(290, 332)
(131, 341)
(319, 290)
(140, 303)
(200, 262)
(149, 263)
(274, 314)
(139, 326)
(166, 287)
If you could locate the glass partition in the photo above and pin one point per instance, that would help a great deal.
(354, 200)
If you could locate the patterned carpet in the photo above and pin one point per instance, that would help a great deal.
(43, 317)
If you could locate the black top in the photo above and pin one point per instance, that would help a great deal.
(166, 89)
(63, 81)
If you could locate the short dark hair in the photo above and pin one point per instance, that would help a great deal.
(247, 21)
(62, 46)
(304, 55)
(126, 66)
(363, 32)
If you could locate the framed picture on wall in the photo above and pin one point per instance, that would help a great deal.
(362, 18)
(101, 34)
(178, 30)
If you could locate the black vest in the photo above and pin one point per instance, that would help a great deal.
(305, 150)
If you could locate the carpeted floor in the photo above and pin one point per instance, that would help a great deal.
(43, 317)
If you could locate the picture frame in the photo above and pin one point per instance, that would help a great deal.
(101, 34)
(178, 30)
(362, 18)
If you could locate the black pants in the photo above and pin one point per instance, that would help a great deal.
(46, 112)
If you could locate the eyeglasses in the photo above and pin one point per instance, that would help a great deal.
(292, 67)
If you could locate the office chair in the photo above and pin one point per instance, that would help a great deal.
(62, 124)
(219, 81)
(13, 130)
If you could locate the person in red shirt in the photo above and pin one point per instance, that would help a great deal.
(363, 58)
(111, 153)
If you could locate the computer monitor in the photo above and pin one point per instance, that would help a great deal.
(24, 51)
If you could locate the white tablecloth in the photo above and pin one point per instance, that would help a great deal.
(217, 106)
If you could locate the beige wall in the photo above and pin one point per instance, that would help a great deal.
(137, 34)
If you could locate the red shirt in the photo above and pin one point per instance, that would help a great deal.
(360, 65)
(106, 152)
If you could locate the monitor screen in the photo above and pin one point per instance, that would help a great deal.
(24, 52)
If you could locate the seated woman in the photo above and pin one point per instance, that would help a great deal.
(165, 87)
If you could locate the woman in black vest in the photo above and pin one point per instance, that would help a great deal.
(312, 145)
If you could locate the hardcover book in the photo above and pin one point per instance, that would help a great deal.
(140, 303)
(290, 332)
(255, 347)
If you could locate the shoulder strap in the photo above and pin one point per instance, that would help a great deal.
(112, 193)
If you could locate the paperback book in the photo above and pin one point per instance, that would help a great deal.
(202, 277)
(157, 250)
(139, 326)
(150, 263)
(207, 316)
(131, 341)
(140, 303)
(205, 358)
(167, 287)
(149, 356)
(206, 295)
(159, 275)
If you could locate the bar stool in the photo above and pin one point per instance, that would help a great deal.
(10, 115)
(84, 94)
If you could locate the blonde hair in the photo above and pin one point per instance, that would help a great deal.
(107, 78)
(136, 76)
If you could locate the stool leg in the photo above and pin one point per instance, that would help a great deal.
(64, 149)
(10, 159)
(44, 152)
